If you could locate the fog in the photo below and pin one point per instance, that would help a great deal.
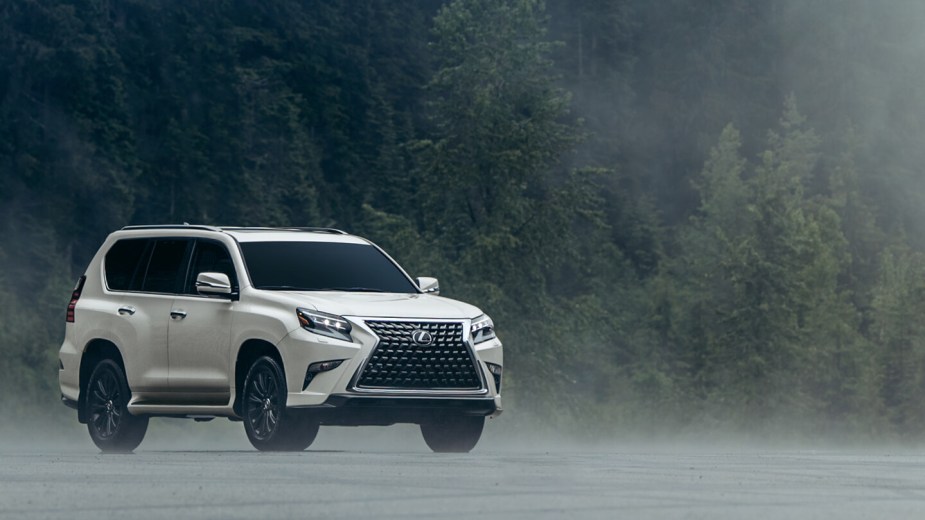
(699, 228)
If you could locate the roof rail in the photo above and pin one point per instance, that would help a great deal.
(287, 228)
(320, 230)
(238, 228)
(173, 226)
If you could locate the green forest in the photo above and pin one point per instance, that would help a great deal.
(681, 215)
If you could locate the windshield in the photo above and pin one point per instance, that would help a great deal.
(322, 266)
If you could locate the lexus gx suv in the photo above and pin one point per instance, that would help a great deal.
(284, 329)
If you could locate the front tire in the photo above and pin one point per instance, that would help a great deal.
(453, 434)
(112, 428)
(269, 425)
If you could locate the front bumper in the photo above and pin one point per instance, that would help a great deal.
(336, 389)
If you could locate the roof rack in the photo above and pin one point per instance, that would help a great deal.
(238, 228)
(288, 228)
(174, 226)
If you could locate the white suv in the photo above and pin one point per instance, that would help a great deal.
(285, 329)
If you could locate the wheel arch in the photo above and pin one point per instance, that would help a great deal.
(250, 351)
(95, 351)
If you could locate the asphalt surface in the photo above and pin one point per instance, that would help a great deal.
(371, 481)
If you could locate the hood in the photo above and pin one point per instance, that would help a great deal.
(382, 305)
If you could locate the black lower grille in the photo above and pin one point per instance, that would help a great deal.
(401, 363)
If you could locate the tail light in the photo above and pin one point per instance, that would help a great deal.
(74, 297)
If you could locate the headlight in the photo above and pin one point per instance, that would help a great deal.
(324, 324)
(483, 329)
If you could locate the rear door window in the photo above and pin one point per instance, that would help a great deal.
(125, 264)
(167, 266)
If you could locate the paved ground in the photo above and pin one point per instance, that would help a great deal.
(528, 482)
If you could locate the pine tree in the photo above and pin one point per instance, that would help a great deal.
(708, 277)
(767, 331)
(899, 335)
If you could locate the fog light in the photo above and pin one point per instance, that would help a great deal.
(317, 368)
(496, 374)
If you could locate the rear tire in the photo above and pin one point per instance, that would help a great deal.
(112, 428)
(453, 434)
(269, 425)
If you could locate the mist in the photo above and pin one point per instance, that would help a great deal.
(653, 277)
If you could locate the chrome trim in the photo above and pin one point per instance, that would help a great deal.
(422, 337)
(200, 283)
(467, 340)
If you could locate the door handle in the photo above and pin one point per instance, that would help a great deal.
(126, 310)
(177, 314)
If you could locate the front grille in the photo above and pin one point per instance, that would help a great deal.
(400, 363)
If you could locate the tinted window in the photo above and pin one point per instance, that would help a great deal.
(124, 264)
(165, 270)
(315, 266)
(210, 257)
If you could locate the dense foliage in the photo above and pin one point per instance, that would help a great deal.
(679, 214)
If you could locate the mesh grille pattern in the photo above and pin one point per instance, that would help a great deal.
(398, 362)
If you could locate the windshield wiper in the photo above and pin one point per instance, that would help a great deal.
(350, 289)
(296, 288)
(283, 288)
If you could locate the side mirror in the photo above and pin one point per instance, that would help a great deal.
(213, 283)
(429, 285)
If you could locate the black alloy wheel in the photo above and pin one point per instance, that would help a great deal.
(112, 428)
(452, 433)
(263, 403)
(269, 425)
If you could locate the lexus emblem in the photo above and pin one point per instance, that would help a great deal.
(422, 337)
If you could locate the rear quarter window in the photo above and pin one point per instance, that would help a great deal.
(124, 266)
